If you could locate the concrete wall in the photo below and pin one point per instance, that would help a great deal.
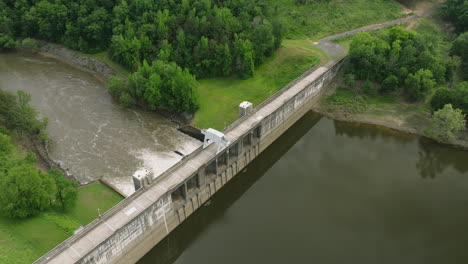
(272, 127)
(133, 240)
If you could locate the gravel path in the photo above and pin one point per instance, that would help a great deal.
(335, 50)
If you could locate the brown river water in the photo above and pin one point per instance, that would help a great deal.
(325, 192)
(90, 134)
(330, 192)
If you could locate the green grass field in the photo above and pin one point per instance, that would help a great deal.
(318, 19)
(23, 241)
(220, 97)
(304, 24)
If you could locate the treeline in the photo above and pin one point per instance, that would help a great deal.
(159, 85)
(209, 37)
(456, 11)
(24, 190)
(418, 65)
(456, 96)
(399, 59)
(18, 115)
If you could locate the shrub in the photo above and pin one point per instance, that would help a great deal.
(446, 123)
(29, 44)
(389, 84)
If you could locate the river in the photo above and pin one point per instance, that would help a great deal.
(333, 192)
(90, 134)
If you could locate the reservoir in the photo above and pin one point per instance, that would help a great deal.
(333, 192)
(324, 192)
(90, 134)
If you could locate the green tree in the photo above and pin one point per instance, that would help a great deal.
(243, 57)
(25, 191)
(116, 86)
(5, 145)
(225, 62)
(367, 56)
(457, 96)
(446, 123)
(390, 84)
(7, 31)
(17, 114)
(460, 48)
(5, 150)
(457, 12)
(46, 20)
(350, 80)
(66, 189)
(418, 84)
(263, 42)
(161, 85)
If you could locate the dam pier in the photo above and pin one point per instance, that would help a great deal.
(133, 227)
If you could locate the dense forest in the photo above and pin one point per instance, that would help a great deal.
(207, 37)
(415, 64)
(25, 190)
(399, 58)
(456, 12)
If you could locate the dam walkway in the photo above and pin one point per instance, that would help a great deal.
(131, 228)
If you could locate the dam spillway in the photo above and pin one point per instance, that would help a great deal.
(131, 228)
(90, 134)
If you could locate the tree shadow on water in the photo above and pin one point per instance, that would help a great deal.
(435, 158)
(368, 131)
(169, 249)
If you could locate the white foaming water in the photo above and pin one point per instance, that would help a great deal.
(92, 136)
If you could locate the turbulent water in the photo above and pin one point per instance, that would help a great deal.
(90, 134)
(332, 192)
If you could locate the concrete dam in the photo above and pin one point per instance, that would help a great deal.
(131, 228)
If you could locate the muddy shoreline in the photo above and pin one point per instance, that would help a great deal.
(459, 143)
(99, 70)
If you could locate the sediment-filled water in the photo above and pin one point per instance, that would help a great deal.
(90, 134)
(333, 192)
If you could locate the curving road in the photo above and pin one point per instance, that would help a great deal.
(335, 50)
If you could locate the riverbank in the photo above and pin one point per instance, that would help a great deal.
(101, 67)
(25, 240)
(389, 112)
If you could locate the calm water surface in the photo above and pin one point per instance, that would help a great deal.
(332, 192)
(90, 134)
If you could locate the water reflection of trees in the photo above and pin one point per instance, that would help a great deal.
(434, 158)
(363, 131)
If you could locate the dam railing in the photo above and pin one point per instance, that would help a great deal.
(124, 203)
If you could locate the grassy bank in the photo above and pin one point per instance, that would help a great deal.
(387, 111)
(318, 19)
(220, 97)
(391, 110)
(304, 23)
(23, 241)
(348, 105)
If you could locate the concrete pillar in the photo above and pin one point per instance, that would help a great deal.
(240, 148)
(201, 179)
(227, 159)
(185, 192)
